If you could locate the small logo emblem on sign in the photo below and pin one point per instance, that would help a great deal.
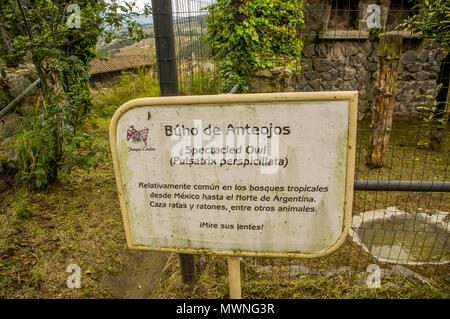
(137, 136)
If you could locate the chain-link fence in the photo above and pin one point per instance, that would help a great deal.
(400, 224)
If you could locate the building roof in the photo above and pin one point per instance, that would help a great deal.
(118, 63)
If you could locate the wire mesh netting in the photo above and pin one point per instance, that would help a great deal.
(404, 233)
(196, 65)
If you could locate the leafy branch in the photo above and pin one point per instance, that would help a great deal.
(58, 137)
(247, 36)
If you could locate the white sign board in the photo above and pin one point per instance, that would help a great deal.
(254, 174)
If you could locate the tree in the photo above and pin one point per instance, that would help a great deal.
(433, 21)
(389, 52)
(61, 53)
(248, 35)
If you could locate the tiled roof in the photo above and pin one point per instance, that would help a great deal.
(118, 63)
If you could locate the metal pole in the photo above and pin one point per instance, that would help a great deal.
(168, 84)
(18, 98)
(402, 186)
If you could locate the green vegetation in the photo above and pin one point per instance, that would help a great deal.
(271, 279)
(434, 119)
(57, 137)
(247, 36)
(197, 47)
(132, 85)
(199, 83)
(114, 47)
(433, 21)
(77, 219)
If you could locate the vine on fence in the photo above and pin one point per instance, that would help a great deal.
(247, 36)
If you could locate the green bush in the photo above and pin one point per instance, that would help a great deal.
(247, 36)
(61, 53)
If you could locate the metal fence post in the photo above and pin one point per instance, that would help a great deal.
(165, 47)
(168, 83)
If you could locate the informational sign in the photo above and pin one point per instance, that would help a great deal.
(249, 174)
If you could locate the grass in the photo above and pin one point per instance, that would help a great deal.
(277, 284)
(131, 86)
(78, 221)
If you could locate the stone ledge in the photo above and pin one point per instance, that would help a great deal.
(362, 35)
